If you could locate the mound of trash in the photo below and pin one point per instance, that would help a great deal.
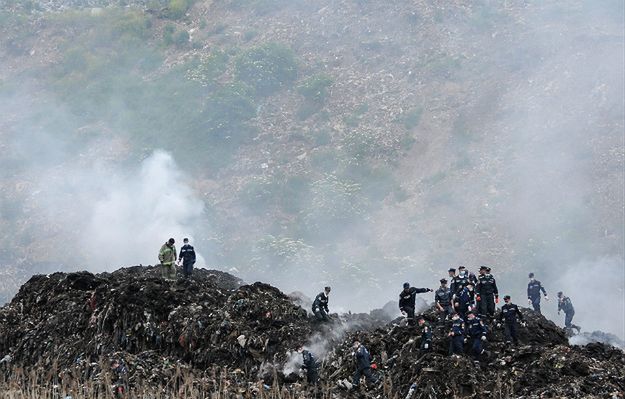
(543, 365)
(134, 315)
(82, 334)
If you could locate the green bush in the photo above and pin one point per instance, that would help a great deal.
(315, 88)
(181, 38)
(172, 36)
(178, 8)
(208, 68)
(266, 68)
(227, 111)
(168, 34)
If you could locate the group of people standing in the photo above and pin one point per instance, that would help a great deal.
(468, 304)
(167, 257)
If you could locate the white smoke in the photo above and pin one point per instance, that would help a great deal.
(597, 292)
(142, 210)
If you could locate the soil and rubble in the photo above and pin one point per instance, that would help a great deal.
(225, 333)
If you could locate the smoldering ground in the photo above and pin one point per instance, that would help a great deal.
(522, 172)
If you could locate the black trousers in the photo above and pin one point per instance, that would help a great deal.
(409, 314)
(476, 347)
(312, 375)
(368, 376)
(187, 269)
(321, 315)
(486, 305)
(456, 345)
(510, 333)
(536, 304)
(568, 319)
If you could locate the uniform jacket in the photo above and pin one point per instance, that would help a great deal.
(187, 254)
(310, 363)
(167, 254)
(465, 298)
(457, 328)
(566, 305)
(426, 335)
(321, 302)
(509, 313)
(407, 299)
(475, 328)
(363, 358)
(534, 288)
(442, 296)
(486, 285)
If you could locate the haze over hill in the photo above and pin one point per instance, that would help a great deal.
(350, 143)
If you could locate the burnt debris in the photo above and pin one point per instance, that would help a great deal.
(131, 327)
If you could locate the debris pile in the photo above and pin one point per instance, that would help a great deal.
(151, 324)
(215, 334)
(544, 365)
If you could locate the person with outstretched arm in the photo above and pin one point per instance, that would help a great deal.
(407, 298)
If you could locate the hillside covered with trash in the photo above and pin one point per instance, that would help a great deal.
(80, 335)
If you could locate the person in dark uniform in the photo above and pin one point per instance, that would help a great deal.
(476, 332)
(486, 293)
(310, 364)
(187, 255)
(509, 314)
(452, 273)
(442, 297)
(465, 300)
(460, 281)
(456, 344)
(363, 365)
(407, 298)
(534, 288)
(320, 305)
(565, 305)
(426, 335)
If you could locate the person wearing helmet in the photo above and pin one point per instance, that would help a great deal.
(565, 305)
(167, 256)
(534, 287)
(407, 298)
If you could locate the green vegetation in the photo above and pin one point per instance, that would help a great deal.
(177, 9)
(173, 36)
(266, 68)
(315, 88)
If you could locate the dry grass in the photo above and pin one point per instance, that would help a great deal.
(51, 383)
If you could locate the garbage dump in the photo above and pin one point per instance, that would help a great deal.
(153, 325)
(544, 365)
(132, 334)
